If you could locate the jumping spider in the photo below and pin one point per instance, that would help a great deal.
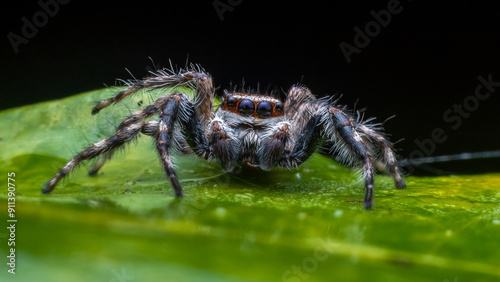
(246, 129)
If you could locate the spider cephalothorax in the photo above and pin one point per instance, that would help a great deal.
(246, 129)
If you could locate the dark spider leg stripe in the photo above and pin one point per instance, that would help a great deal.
(347, 131)
(388, 153)
(193, 132)
(307, 142)
(202, 80)
(168, 116)
(305, 129)
(121, 137)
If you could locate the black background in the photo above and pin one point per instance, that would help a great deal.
(423, 62)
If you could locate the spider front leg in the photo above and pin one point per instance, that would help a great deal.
(224, 145)
(273, 145)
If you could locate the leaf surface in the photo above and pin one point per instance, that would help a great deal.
(303, 224)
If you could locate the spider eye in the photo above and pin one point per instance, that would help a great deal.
(246, 107)
(264, 109)
(231, 101)
(279, 106)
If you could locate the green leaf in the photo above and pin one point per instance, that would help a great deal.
(303, 224)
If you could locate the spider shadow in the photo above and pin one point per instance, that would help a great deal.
(258, 179)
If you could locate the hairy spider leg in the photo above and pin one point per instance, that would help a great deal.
(106, 146)
(297, 95)
(308, 140)
(355, 144)
(147, 112)
(137, 117)
(200, 81)
(301, 108)
(149, 128)
(168, 116)
(388, 154)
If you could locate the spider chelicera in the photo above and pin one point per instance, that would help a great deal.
(246, 129)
